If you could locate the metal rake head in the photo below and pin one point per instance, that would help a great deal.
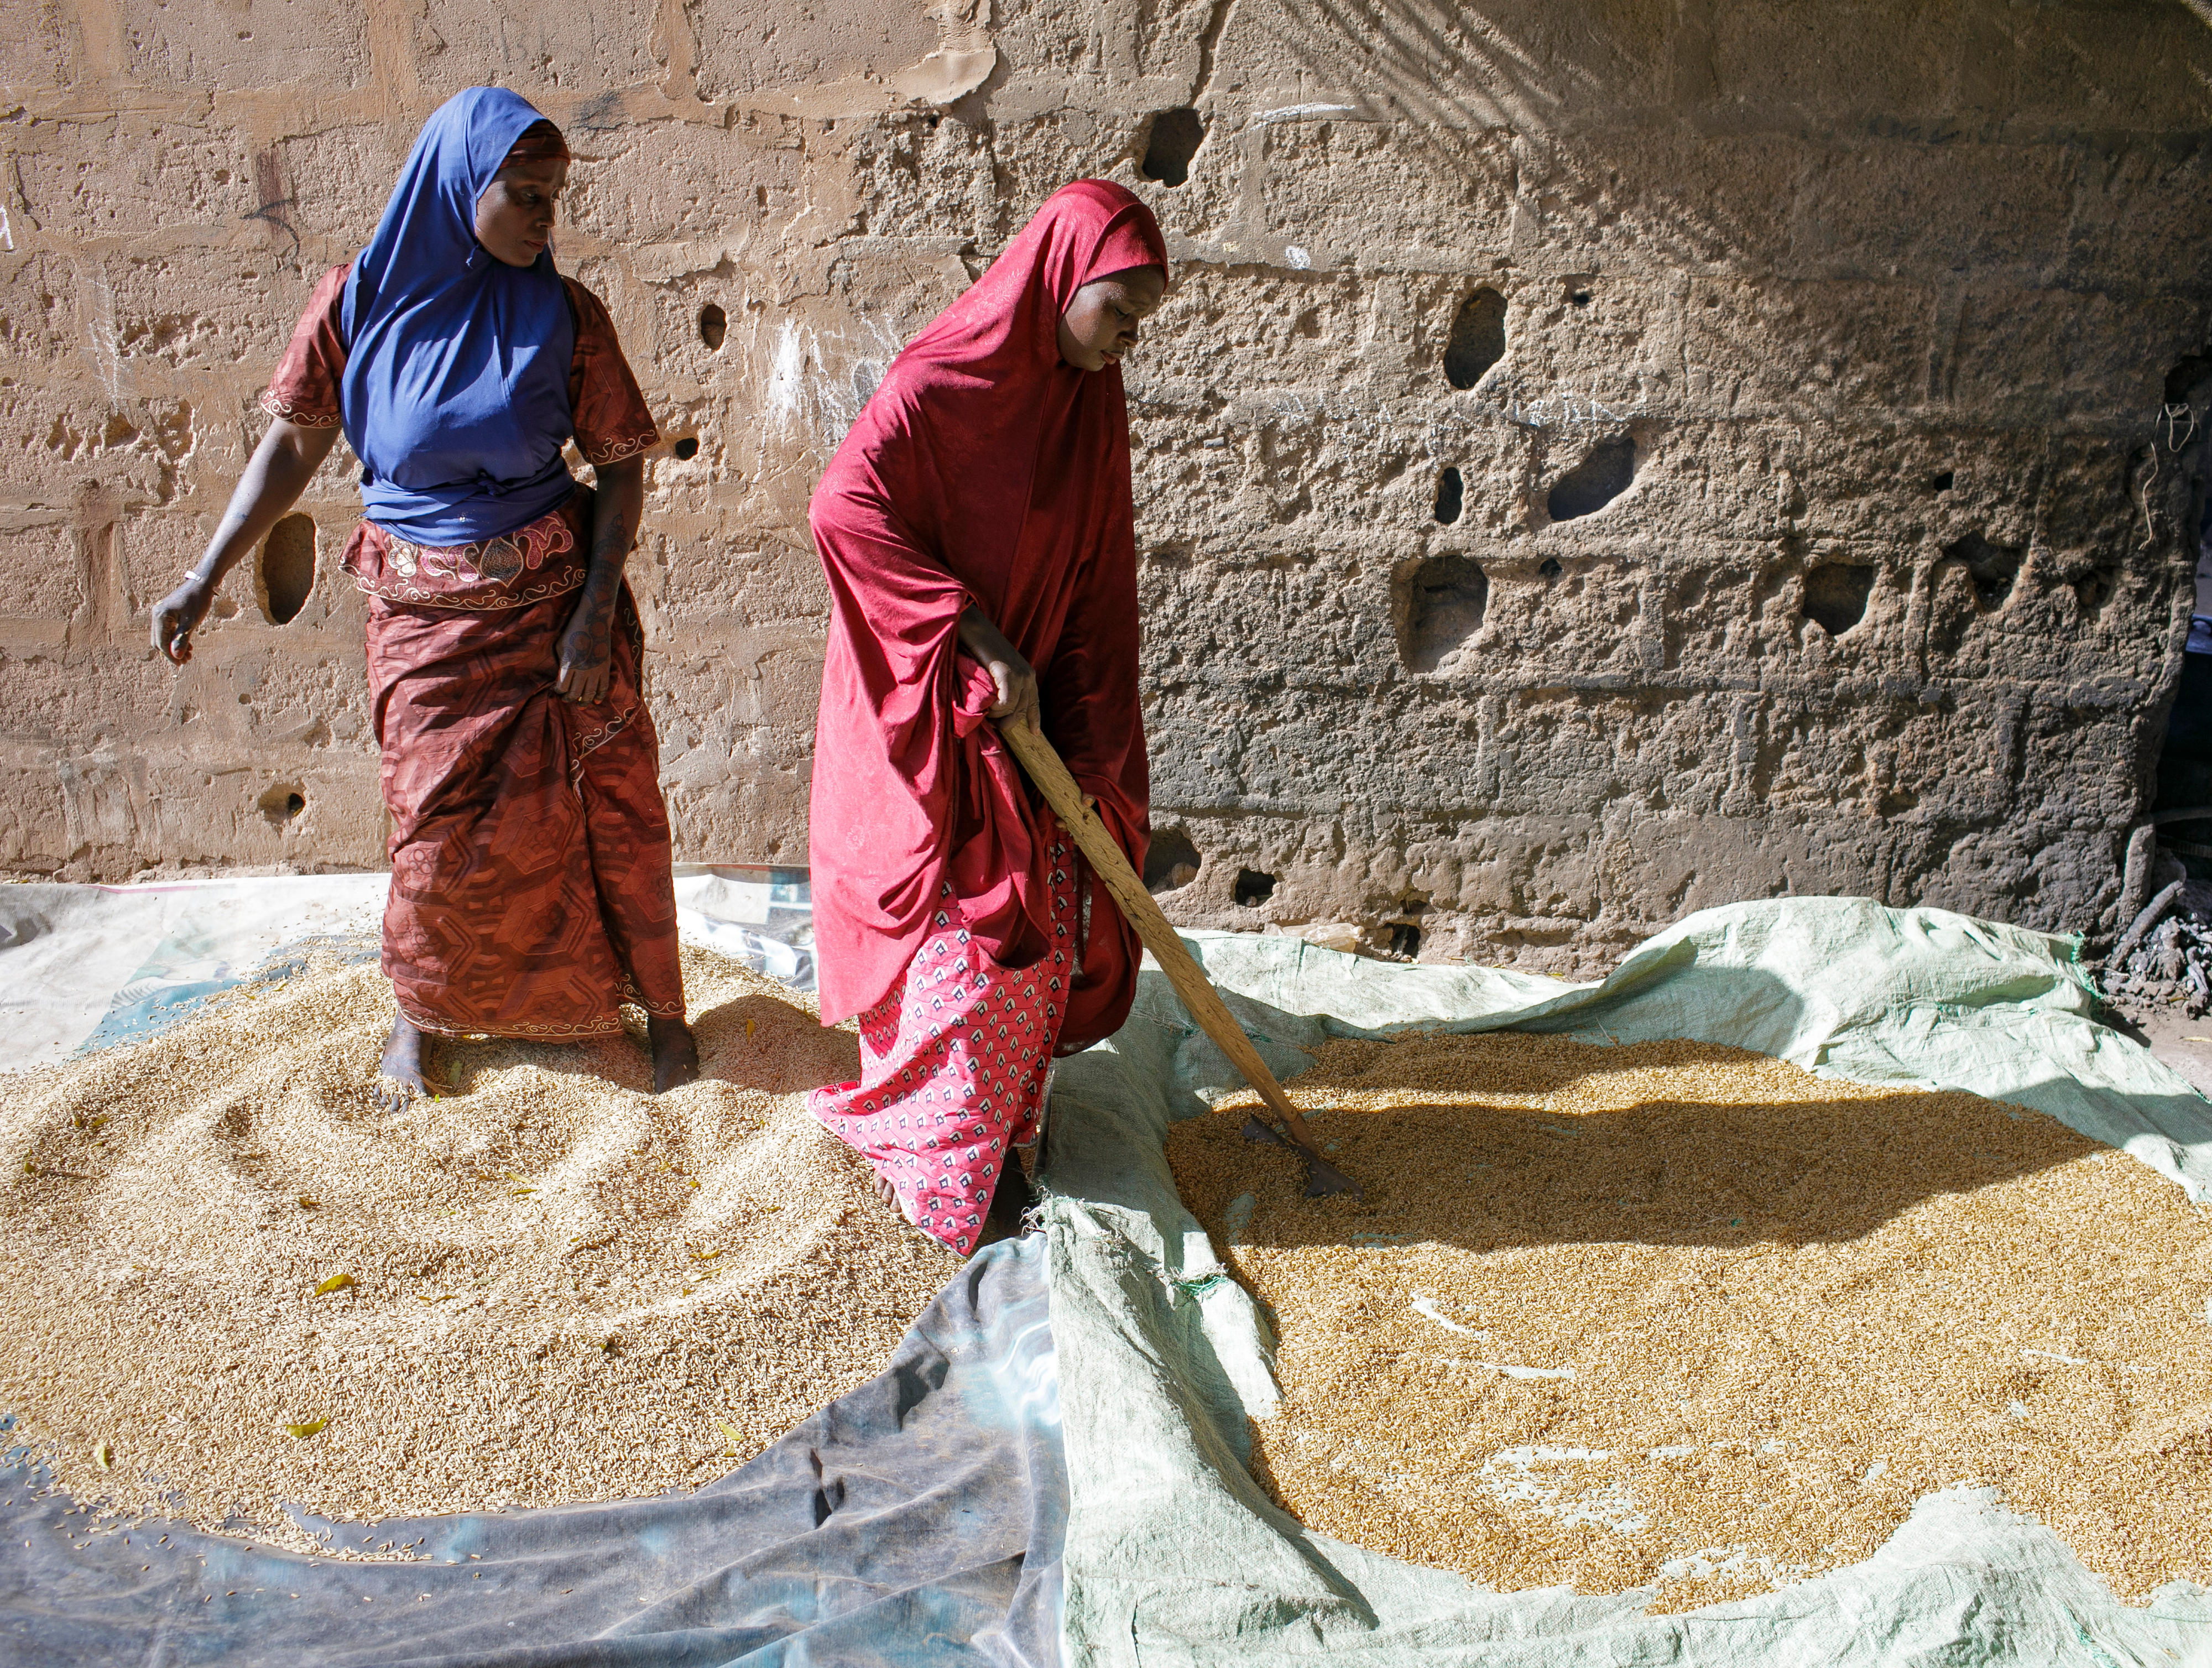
(1322, 1177)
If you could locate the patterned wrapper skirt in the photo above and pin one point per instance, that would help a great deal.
(954, 1065)
(531, 892)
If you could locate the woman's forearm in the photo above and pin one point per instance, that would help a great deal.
(278, 473)
(588, 643)
(617, 507)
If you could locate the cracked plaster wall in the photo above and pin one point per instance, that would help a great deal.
(1880, 302)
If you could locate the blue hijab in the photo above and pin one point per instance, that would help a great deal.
(455, 395)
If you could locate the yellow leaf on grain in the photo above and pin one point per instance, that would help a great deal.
(730, 1431)
(704, 1254)
(748, 1027)
(307, 1429)
(307, 1203)
(518, 1192)
(337, 1282)
(104, 1456)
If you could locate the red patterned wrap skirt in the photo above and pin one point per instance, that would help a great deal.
(532, 890)
(954, 1064)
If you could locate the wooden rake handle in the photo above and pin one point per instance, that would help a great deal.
(1044, 767)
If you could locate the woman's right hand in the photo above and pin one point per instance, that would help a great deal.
(1016, 678)
(279, 471)
(178, 614)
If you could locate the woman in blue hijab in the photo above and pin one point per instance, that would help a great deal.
(531, 892)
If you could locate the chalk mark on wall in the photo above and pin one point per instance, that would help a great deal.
(107, 340)
(805, 391)
(1568, 410)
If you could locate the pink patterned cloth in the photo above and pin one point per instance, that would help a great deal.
(954, 1063)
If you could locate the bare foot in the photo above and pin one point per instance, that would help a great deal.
(884, 1190)
(675, 1053)
(400, 1075)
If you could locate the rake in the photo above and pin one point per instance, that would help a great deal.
(1044, 767)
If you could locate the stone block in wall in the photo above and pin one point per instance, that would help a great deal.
(34, 47)
(39, 313)
(2020, 355)
(640, 185)
(74, 441)
(2111, 241)
(1903, 205)
(753, 49)
(1809, 350)
(196, 310)
(1058, 143)
(1342, 192)
(1237, 333)
(127, 176)
(1591, 353)
(581, 49)
(43, 573)
(328, 185)
(250, 45)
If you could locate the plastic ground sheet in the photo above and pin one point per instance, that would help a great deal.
(1173, 1555)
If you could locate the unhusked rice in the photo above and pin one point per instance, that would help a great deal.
(558, 1286)
(1677, 1314)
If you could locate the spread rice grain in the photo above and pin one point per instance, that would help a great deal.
(1680, 1315)
(233, 1282)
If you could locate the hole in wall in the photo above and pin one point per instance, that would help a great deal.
(1451, 492)
(1551, 570)
(1940, 483)
(2183, 380)
(1478, 338)
(1578, 298)
(1172, 141)
(687, 449)
(2094, 589)
(1835, 595)
(286, 573)
(714, 326)
(1446, 599)
(1170, 860)
(1594, 482)
(1253, 888)
(282, 803)
(1405, 939)
(1992, 567)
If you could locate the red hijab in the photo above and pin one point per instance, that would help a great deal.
(984, 470)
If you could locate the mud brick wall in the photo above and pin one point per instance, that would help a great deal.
(1598, 460)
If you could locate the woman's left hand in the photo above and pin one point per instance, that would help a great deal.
(586, 656)
(1016, 679)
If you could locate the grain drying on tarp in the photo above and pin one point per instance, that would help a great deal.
(1678, 1314)
(548, 1285)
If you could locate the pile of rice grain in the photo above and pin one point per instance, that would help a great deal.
(557, 1285)
(1680, 1315)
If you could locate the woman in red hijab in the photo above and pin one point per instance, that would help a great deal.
(976, 533)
